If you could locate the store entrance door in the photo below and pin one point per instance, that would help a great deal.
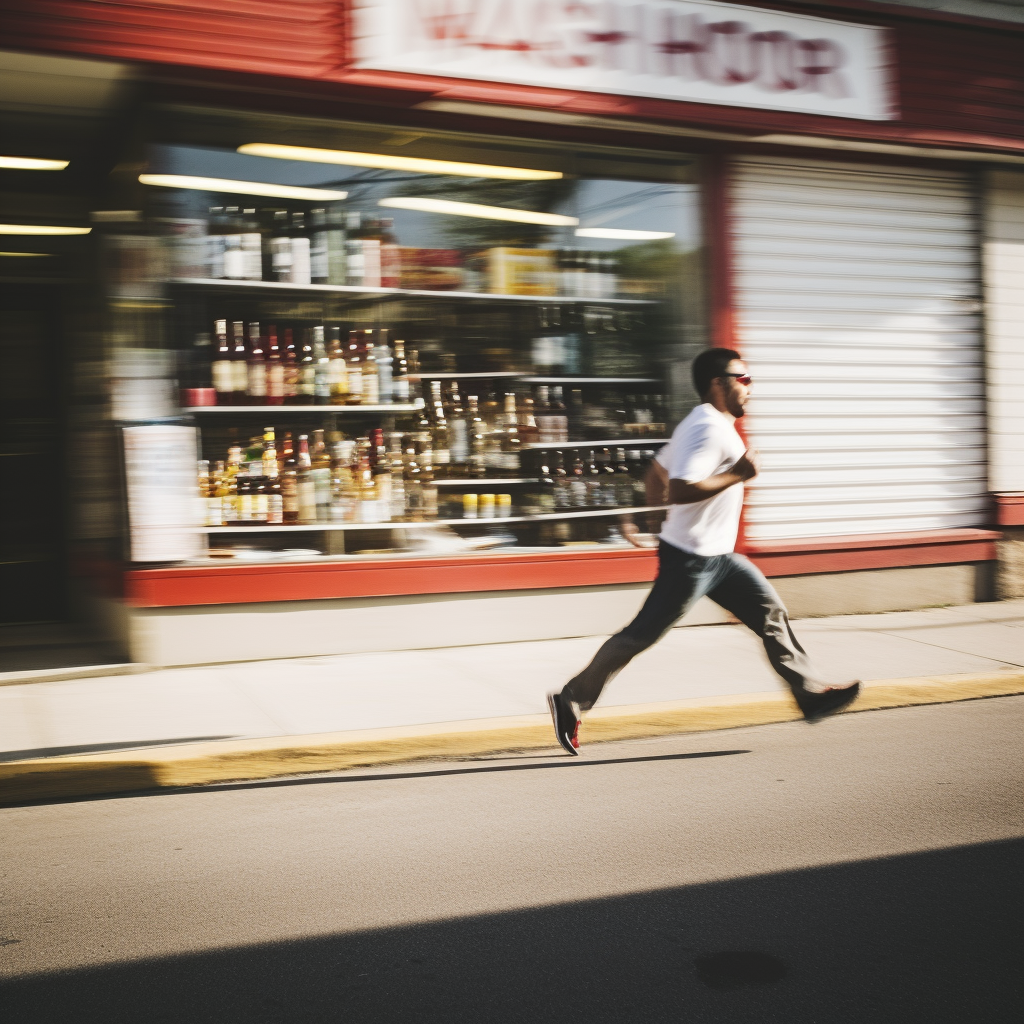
(33, 562)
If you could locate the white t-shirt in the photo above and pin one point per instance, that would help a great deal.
(703, 445)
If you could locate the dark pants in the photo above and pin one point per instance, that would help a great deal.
(683, 578)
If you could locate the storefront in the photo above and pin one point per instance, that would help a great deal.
(422, 313)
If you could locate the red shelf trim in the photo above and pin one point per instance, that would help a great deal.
(249, 584)
(1010, 509)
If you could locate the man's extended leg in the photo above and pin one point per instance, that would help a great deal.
(681, 580)
(741, 588)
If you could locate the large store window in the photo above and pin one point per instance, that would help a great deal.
(407, 343)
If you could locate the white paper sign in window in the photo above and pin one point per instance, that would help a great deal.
(699, 52)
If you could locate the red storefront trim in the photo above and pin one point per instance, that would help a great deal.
(249, 584)
(1010, 509)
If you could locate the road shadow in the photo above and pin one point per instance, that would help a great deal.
(927, 938)
(101, 748)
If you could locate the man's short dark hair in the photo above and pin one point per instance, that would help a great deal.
(708, 365)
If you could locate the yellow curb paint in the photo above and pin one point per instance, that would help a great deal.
(234, 760)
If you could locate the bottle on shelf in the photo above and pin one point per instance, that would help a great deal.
(477, 440)
(305, 482)
(593, 482)
(307, 371)
(529, 432)
(558, 424)
(337, 368)
(290, 369)
(275, 368)
(220, 492)
(400, 389)
(256, 385)
(511, 443)
(320, 474)
(608, 491)
(289, 482)
(344, 492)
(230, 512)
(252, 246)
(577, 482)
(281, 247)
(380, 466)
(234, 258)
(355, 369)
(222, 367)
(458, 431)
(396, 464)
(327, 246)
(215, 232)
(370, 372)
(239, 363)
(623, 483)
(440, 438)
(321, 369)
(385, 368)
(562, 490)
(300, 250)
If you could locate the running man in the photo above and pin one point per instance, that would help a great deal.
(704, 466)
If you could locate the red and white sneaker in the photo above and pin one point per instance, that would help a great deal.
(567, 723)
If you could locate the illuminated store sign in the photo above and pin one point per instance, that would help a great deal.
(698, 52)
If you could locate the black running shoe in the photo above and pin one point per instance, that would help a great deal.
(816, 706)
(567, 724)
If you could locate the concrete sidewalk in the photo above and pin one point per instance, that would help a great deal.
(701, 665)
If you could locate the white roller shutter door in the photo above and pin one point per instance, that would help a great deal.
(857, 293)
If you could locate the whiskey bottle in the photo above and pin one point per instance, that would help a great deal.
(440, 440)
(289, 482)
(458, 432)
(370, 373)
(275, 369)
(400, 392)
(256, 387)
(477, 440)
(300, 250)
(306, 394)
(252, 246)
(385, 368)
(337, 368)
(290, 369)
(281, 248)
(320, 473)
(306, 483)
(355, 369)
(623, 482)
(222, 369)
(511, 443)
(321, 369)
(239, 363)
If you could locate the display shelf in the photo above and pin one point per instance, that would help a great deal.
(618, 442)
(485, 482)
(590, 380)
(281, 410)
(359, 292)
(501, 374)
(432, 523)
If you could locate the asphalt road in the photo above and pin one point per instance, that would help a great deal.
(868, 869)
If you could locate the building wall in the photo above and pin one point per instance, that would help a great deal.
(1004, 310)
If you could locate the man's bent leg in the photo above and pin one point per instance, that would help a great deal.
(679, 583)
(743, 590)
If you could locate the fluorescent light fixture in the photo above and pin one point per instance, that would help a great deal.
(40, 229)
(24, 254)
(242, 188)
(476, 210)
(395, 163)
(28, 163)
(623, 233)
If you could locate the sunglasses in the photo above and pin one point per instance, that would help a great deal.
(741, 378)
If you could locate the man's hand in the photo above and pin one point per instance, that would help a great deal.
(748, 465)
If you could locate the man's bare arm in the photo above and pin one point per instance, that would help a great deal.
(682, 493)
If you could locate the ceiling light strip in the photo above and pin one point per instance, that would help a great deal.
(41, 229)
(448, 206)
(243, 188)
(29, 163)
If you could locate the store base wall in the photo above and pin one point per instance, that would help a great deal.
(1010, 579)
(254, 632)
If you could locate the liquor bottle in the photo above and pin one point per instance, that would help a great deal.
(400, 389)
(234, 259)
(221, 492)
(623, 482)
(270, 482)
(559, 422)
(344, 492)
(562, 490)
(306, 394)
(577, 483)
(593, 481)
(396, 463)
(380, 466)
(529, 432)
(370, 375)
(320, 474)
(256, 388)
(239, 363)
(230, 497)
(355, 369)
(321, 369)
(252, 246)
(458, 432)
(608, 492)
(300, 250)
(440, 439)
(511, 443)
(385, 368)
(289, 482)
(222, 369)
(477, 440)
(268, 456)
(542, 413)
(244, 496)
(281, 247)
(290, 369)
(546, 500)
(275, 369)
(428, 485)
(258, 485)
(306, 483)
(337, 368)
(413, 484)
(637, 474)
(327, 246)
(369, 496)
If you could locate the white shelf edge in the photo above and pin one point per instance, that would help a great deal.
(590, 380)
(281, 409)
(622, 441)
(399, 293)
(483, 481)
(318, 527)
